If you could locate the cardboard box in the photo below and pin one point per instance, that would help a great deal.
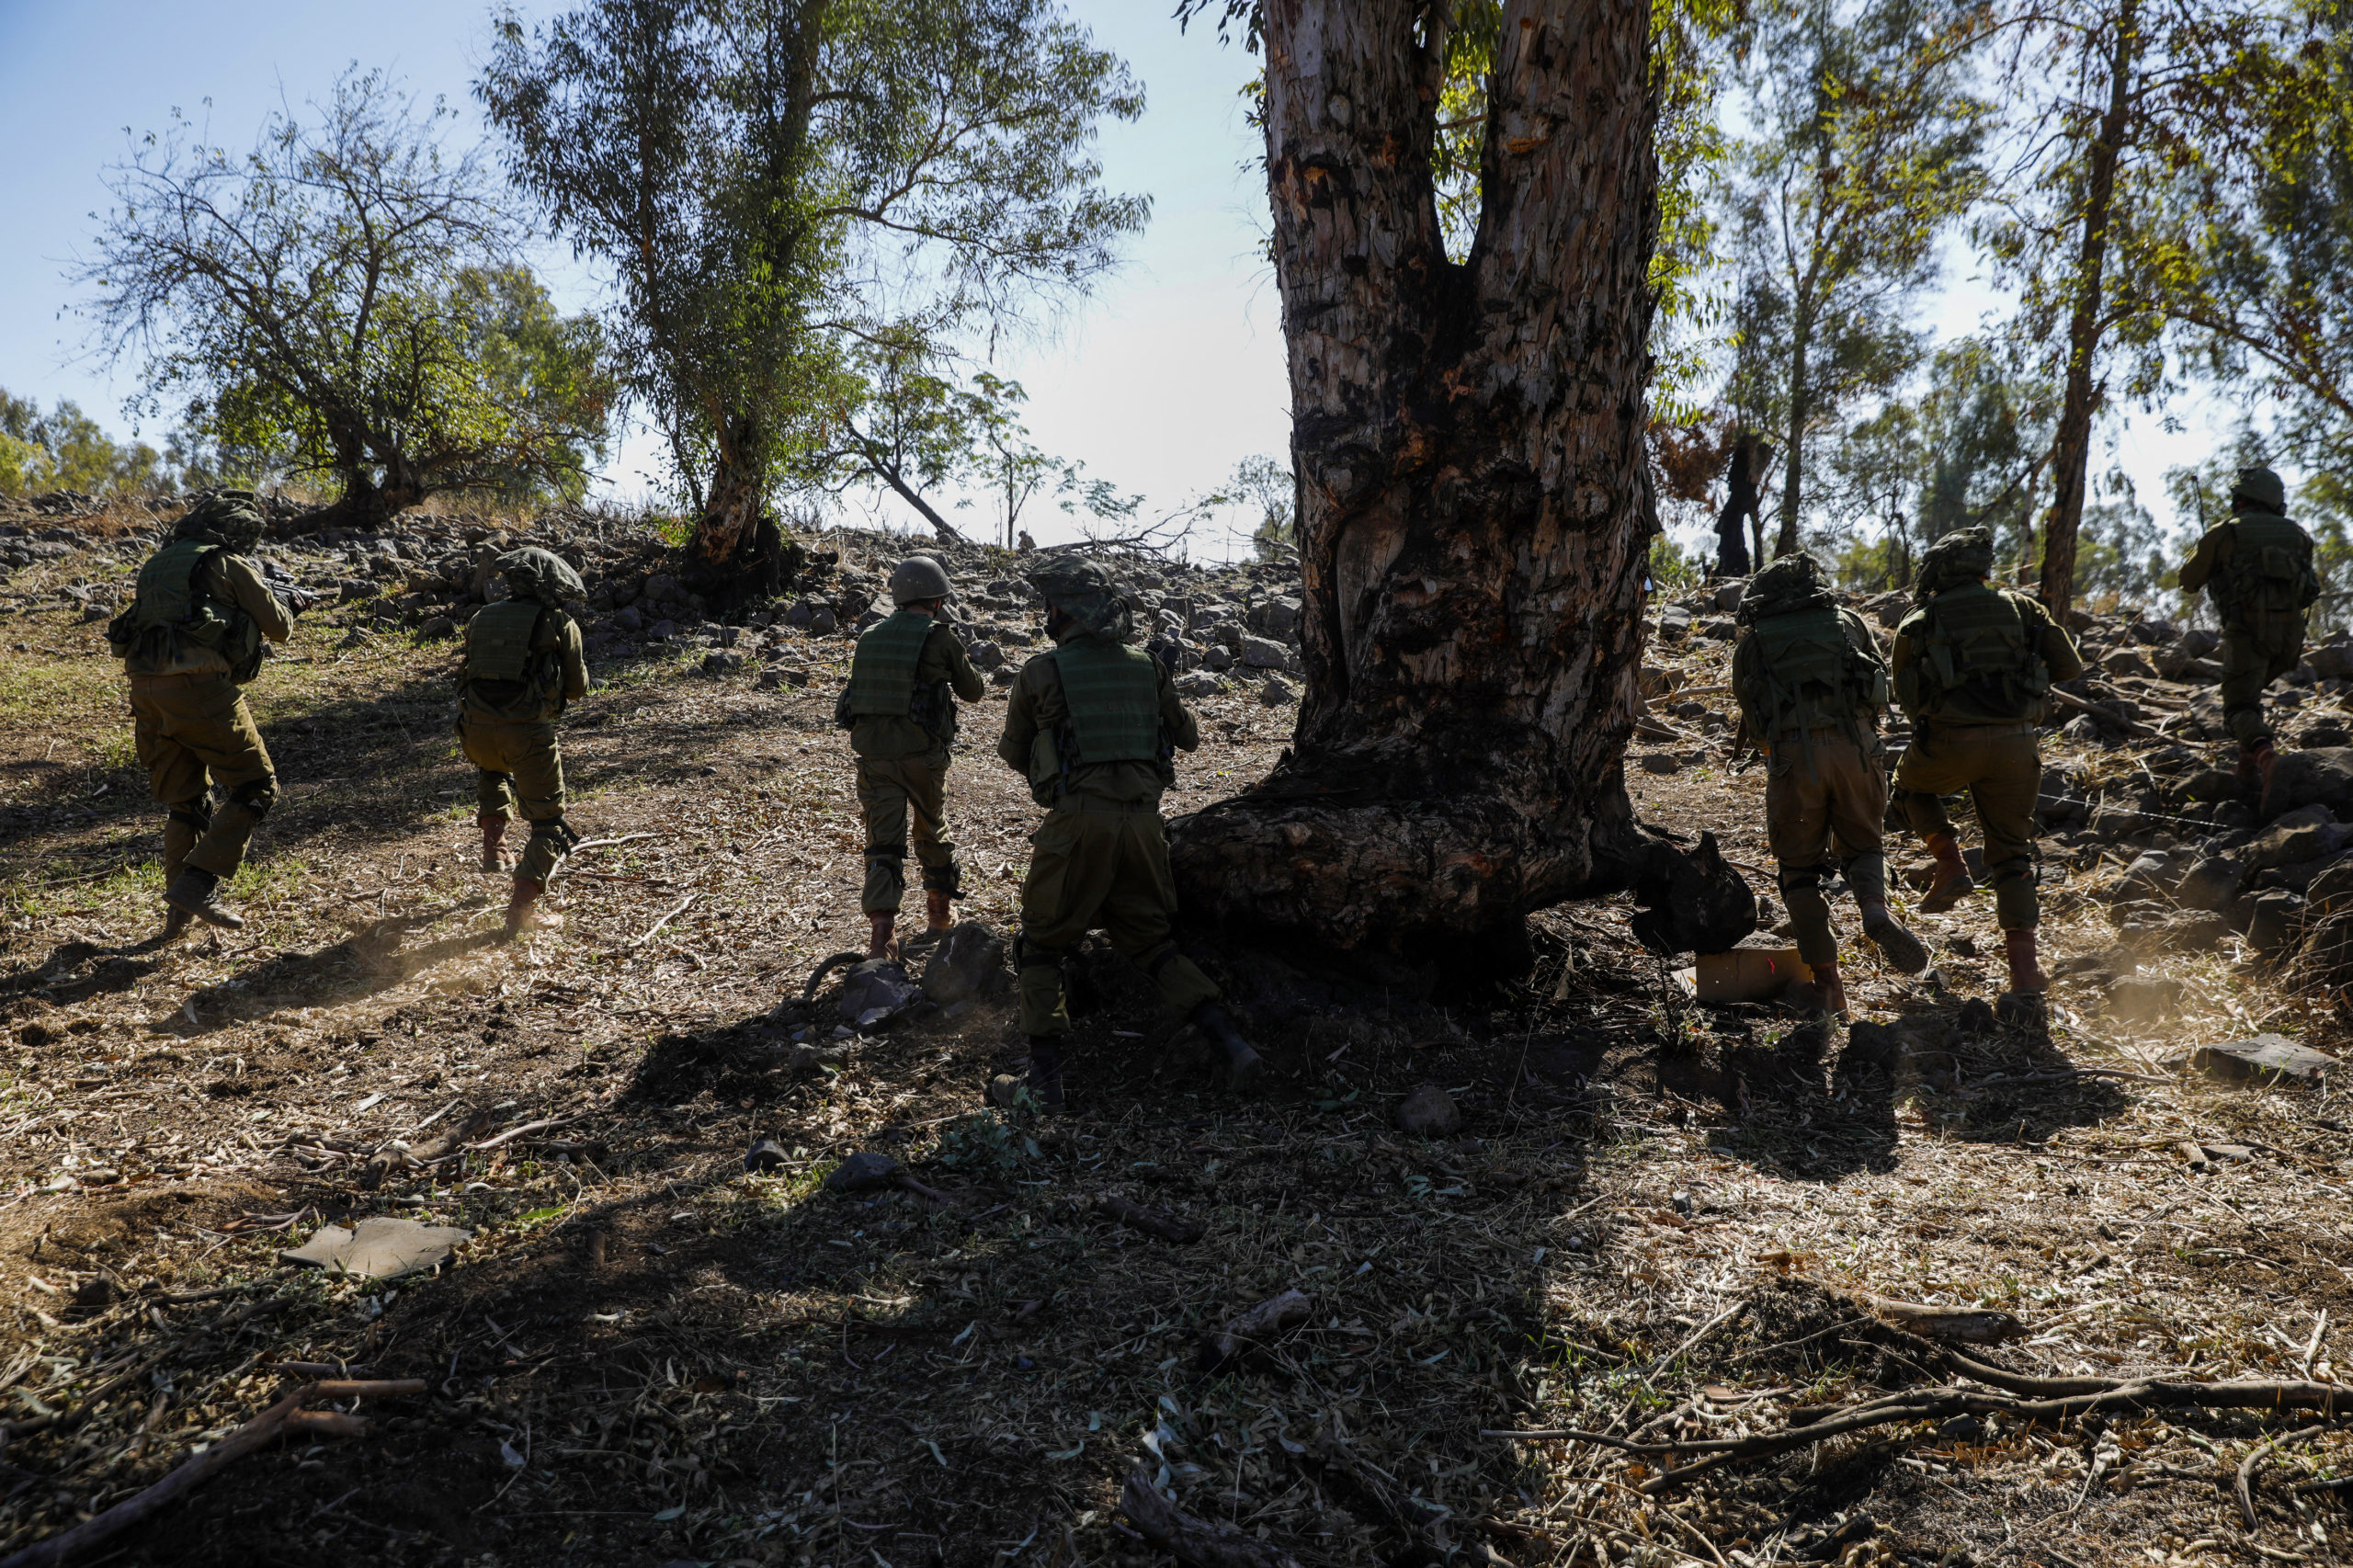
(1748, 974)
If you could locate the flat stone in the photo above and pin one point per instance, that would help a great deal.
(379, 1248)
(1662, 762)
(862, 1171)
(2268, 1058)
(1264, 653)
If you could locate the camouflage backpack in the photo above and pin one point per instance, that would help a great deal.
(2270, 569)
(1977, 657)
(1807, 672)
(171, 612)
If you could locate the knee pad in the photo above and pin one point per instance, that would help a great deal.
(1025, 958)
(198, 818)
(257, 796)
(1801, 879)
(557, 830)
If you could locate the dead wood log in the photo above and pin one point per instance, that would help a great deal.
(440, 1146)
(1188, 1539)
(2244, 1479)
(1965, 1325)
(1143, 1217)
(2328, 1400)
(1263, 1322)
(254, 1434)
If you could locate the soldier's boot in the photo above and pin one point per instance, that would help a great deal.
(1896, 945)
(877, 945)
(523, 911)
(935, 914)
(2025, 971)
(1045, 1080)
(1825, 993)
(1950, 883)
(493, 833)
(2245, 772)
(197, 891)
(176, 921)
(1243, 1064)
(2267, 763)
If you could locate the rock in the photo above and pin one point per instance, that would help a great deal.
(2332, 660)
(876, 992)
(1657, 681)
(2308, 833)
(822, 619)
(2147, 932)
(986, 656)
(2271, 929)
(379, 1248)
(969, 963)
(2113, 822)
(1429, 1112)
(2212, 883)
(1276, 618)
(439, 626)
(2151, 872)
(94, 613)
(662, 630)
(766, 1156)
(776, 676)
(2177, 664)
(1873, 1045)
(2141, 1000)
(2156, 633)
(1889, 608)
(2265, 1059)
(865, 1171)
(2127, 662)
(2333, 887)
(1201, 683)
(1729, 595)
(627, 619)
(1673, 623)
(722, 663)
(2211, 785)
(2323, 776)
(1277, 692)
(1264, 653)
(1660, 762)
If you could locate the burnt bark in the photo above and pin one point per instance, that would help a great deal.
(2071, 452)
(1474, 507)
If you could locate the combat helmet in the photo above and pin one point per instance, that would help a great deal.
(917, 578)
(231, 517)
(536, 574)
(1961, 557)
(2259, 490)
(1792, 583)
(1086, 592)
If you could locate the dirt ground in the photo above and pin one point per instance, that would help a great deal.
(1651, 1220)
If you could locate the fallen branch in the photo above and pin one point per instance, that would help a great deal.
(1262, 1322)
(1937, 1404)
(601, 843)
(1150, 1220)
(1191, 1541)
(655, 929)
(381, 1163)
(2253, 1462)
(1965, 1324)
(286, 1415)
(513, 1132)
(1705, 1329)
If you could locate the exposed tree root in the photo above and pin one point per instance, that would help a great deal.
(1191, 1541)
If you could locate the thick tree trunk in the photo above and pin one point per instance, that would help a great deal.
(2071, 452)
(725, 562)
(1474, 507)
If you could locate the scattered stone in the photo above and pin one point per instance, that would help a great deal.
(1264, 653)
(1961, 946)
(379, 1248)
(2143, 1000)
(1277, 692)
(1660, 762)
(1429, 1112)
(2268, 1059)
(2321, 777)
(439, 626)
(2272, 926)
(1673, 623)
(2308, 833)
(865, 1171)
(1729, 595)
(766, 1156)
(969, 963)
(2212, 883)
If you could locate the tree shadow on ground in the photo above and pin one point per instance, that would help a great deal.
(1801, 1107)
(77, 971)
(370, 961)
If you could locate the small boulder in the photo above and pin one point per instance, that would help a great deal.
(2308, 833)
(766, 1156)
(865, 1171)
(1662, 762)
(1429, 1112)
(1277, 692)
(2212, 883)
(1264, 653)
(2321, 777)
(967, 962)
(2272, 928)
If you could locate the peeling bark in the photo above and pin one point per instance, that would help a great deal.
(1474, 507)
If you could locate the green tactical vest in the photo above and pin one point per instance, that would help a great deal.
(2271, 568)
(501, 662)
(170, 613)
(1978, 660)
(1113, 693)
(1810, 676)
(882, 671)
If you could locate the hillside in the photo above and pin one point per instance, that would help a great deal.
(1654, 1220)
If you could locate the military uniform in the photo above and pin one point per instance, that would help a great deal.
(1093, 726)
(1972, 669)
(192, 636)
(2257, 572)
(1811, 685)
(523, 663)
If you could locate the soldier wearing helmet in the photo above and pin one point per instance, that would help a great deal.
(900, 711)
(192, 636)
(2257, 572)
(1093, 724)
(523, 662)
(1974, 667)
(1811, 686)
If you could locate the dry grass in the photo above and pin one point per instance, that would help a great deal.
(689, 1361)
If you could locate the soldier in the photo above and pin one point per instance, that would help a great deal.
(2257, 572)
(192, 636)
(1811, 686)
(1973, 668)
(1094, 724)
(900, 711)
(523, 662)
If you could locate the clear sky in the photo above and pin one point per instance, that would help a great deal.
(1164, 381)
